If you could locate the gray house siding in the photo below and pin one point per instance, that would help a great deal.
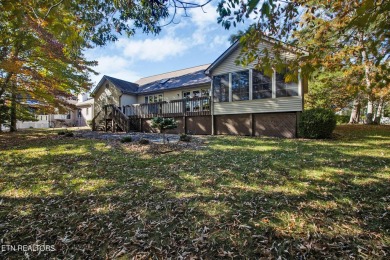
(285, 104)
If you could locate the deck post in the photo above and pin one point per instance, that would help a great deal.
(105, 119)
(185, 124)
(184, 115)
(252, 125)
(212, 125)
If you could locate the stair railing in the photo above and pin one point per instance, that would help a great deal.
(94, 121)
(119, 118)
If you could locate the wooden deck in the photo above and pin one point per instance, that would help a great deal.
(199, 106)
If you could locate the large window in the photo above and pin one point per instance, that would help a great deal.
(154, 98)
(240, 85)
(262, 85)
(221, 88)
(285, 89)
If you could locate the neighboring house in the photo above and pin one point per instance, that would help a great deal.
(217, 98)
(74, 117)
(85, 110)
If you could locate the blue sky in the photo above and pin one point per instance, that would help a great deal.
(194, 40)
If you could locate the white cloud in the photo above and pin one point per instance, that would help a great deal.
(220, 41)
(205, 16)
(114, 66)
(112, 63)
(153, 49)
(205, 20)
(198, 32)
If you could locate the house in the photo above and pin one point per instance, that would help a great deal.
(85, 110)
(218, 98)
(79, 116)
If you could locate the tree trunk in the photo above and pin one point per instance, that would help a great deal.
(370, 112)
(378, 114)
(13, 109)
(1, 120)
(370, 104)
(2, 114)
(355, 114)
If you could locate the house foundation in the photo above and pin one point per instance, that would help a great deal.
(266, 124)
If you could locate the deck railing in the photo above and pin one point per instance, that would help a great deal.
(197, 106)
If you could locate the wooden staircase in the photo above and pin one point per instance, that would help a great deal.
(114, 120)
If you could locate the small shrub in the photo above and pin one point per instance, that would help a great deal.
(144, 141)
(66, 133)
(69, 134)
(342, 119)
(163, 124)
(317, 123)
(89, 123)
(126, 139)
(185, 138)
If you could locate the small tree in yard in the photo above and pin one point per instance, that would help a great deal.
(163, 124)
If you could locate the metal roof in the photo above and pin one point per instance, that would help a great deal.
(124, 86)
(172, 74)
(191, 79)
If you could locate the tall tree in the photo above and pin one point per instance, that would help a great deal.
(351, 37)
(42, 42)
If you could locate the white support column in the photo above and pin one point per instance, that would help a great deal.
(250, 84)
(212, 106)
(274, 84)
(299, 83)
(230, 87)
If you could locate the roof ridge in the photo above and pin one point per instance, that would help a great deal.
(174, 71)
(120, 79)
(168, 79)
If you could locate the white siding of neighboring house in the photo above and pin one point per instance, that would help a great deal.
(280, 104)
(86, 115)
(43, 122)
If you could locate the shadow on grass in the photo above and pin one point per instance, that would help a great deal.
(239, 197)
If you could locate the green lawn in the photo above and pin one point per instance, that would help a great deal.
(235, 197)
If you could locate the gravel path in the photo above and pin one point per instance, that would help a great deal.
(136, 136)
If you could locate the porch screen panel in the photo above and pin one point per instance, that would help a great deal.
(221, 88)
(285, 88)
(240, 85)
(262, 85)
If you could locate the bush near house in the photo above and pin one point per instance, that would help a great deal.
(341, 119)
(317, 123)
(66, 133)
(185, 138)
(126, 139)
(163, 124)
(144, 141)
